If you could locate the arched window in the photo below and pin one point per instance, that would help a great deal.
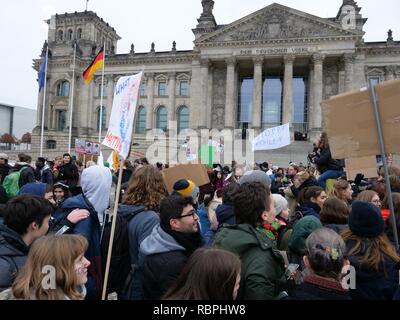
(162, 118)
(183, 118)
(103, 119)
(51, 144)
(63, 89)
(141, 120)
(79, 34)
(70, 33)
(60, 35)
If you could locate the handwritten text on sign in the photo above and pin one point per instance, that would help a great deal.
(273, 138)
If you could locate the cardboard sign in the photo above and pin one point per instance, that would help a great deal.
(195, 172)
(350, 122)
(80, 146)
(364, 165)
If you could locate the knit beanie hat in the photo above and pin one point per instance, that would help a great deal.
(302, 229)
(280, 203)
(365, 220)
(256, 176)
(186, 188)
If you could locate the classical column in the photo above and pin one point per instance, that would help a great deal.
(210, 97)
(257, 91)
(349, 60)
(390, 72)
(195, 94)
(171, 96)
(204, 67)
(288, 90)
(230, 114)
(150, 100)
(341, 75)
(318, 60)
(310, 110)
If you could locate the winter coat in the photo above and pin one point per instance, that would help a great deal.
(338, 228)
(4, 170)
(310, 209)
(35, 188)
(325, 162)
(139, 228)
(262, 274)
(68, 174)
(27, 175)
(13, 253)
(372, 285)
(318, 288)
(3, 196)
(44, 175)
(225, 214)
(310, 182)
(163, 261)
(91, 230)
(205, 224)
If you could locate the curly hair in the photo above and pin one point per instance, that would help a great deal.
(146, 187)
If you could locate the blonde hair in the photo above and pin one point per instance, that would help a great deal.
(338, 188)
(60, 252)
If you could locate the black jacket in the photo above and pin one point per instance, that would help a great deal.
(27, 175)
(325, 162)
(4, 170)
(13, 253)
(310, 182)
(225, 214)
(45, 176)
(68, 174)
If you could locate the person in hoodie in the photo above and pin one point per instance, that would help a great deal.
(311, 201)
(26, 218)
(165, 252)
(263, 273)
(225, 211)
(374, 258)
(27, 174)
(96, 186)
(43, 172)
(146, 189)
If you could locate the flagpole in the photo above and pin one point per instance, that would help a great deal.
(44, 101)
(102, 93)
(71, 102)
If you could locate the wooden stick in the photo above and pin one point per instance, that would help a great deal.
(114, 220)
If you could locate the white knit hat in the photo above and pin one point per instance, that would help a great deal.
(280, 203)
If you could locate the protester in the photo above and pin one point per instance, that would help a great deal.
(335, 215)
(324, 260)
(39, 189)
(311, 201)
(169, 246)
(225, 211)
(26, 218)
(60, 193)
(374, 258)
(277, 185)
(373, 198)
(209, 274)
(146, 189)
(256, 176)
(4, 167)
(282, 221)
(389, 222)
(262, 265)
(63, 253)
(27, 174)
(43, 172)
(343, 191)
(68, 172)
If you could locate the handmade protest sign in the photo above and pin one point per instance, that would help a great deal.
(273, 138)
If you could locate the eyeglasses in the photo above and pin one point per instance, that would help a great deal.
(376, 201)
(191, 213)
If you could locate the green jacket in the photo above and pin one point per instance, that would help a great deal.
(262, 275)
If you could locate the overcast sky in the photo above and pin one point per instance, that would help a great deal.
(22, 30)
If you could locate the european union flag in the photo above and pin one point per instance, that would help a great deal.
(42, 73)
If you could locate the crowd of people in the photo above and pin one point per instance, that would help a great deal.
(255, 232)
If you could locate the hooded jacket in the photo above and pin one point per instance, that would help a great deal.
(44, 174)
(225, 214)
(13, 253)
(4, 170)
(68, 174)
(35, 188)
(163, 260)
(262, 275)
(27, 175)
(310, 209)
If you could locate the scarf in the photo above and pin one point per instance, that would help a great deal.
(270, 229)
(190, 241)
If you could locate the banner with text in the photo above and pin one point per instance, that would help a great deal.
(273, 138)
(123, 112)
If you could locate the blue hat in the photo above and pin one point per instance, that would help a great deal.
(366, 220)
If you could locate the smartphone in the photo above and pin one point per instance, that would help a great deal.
(291, 270)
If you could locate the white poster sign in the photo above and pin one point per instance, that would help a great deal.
(273, 138)
(123, 112)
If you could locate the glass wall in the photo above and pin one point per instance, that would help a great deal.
(272, 102)
(300, 104)
(245, 102)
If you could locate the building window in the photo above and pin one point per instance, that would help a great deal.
(272, 102)
(103, 117)
(184, 88)
(299, 104)
(61, 120)
(60, 35)
(246, 102)
(183, 118)
(143, 90)
(79, 34)
(162, 118)
(70, 33)
(100, 87)
(51, 144)
(375, 80)
(141, 120)
(63, 89)
(162, 88)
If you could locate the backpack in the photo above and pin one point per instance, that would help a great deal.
(11, 183)
(121, 271)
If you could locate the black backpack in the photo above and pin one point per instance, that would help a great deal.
(121, 270)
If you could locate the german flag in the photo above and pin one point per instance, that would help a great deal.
(97, 63)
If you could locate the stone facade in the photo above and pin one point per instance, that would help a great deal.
(328, 53)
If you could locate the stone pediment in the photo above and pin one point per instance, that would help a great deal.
(277, 22)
